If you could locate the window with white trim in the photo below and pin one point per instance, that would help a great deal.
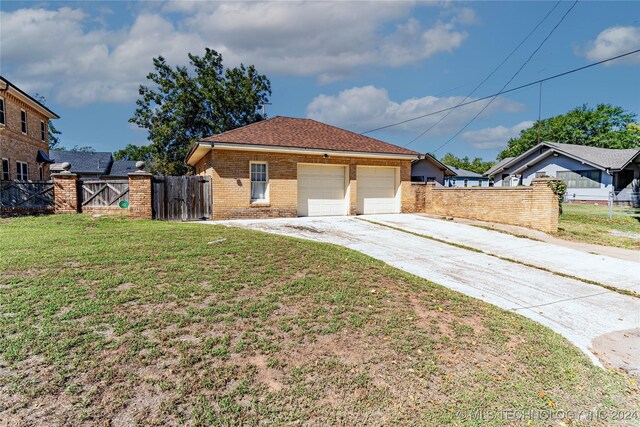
(23, 121)
(22, 171)
(43, 131)
(40, 172)
(259, 182)
(2, 122)
(5, 169)
(466, 182)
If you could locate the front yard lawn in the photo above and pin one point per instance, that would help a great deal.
(591, 224)
(110, 321)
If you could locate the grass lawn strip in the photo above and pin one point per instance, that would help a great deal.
(144, 322)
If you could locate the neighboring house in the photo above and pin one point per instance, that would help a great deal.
(430, 169)
(92, 165)
(288, 167)
(24, 135)
(465, 178)
(591, 173)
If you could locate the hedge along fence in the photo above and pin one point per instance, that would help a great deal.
(532, 207)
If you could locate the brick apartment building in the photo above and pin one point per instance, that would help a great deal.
(24, 135)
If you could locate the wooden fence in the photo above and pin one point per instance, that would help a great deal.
(104, 194)
(26, 197)
(181, 198)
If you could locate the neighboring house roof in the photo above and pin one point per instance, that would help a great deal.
(600, 158)
(607, 158)
(8, 86)
(82, 161)
(428, 158)
(462, 173)
(306, 134)
(498, 166)
(122, 168)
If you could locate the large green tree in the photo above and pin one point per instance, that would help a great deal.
(182, 106)
(145, 153)
(605, 126)
(476, 165)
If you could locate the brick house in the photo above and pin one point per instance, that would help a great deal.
(24, 134)
(288, 167)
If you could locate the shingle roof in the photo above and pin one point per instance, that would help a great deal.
(305, 133)
(122, 168)
(465, 173)
(81, 161)
(498, 165)
(607, 158)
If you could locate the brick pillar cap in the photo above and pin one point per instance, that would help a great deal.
(63, 174)
(140, 173)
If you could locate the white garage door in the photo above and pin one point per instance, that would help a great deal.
(377, 189)
(321, 190)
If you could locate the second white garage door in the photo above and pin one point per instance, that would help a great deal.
(321, 190)
(377, 190)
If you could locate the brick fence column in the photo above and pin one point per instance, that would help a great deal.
(545, 210)
(65, 191)
(140, 194)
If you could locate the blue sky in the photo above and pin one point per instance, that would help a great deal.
(357, 65)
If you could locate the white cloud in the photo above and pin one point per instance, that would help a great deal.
(61, 53)
(614, 41)
(364, 108)
(496, 137)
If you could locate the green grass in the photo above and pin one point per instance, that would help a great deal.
(142, 322)
(591, 224)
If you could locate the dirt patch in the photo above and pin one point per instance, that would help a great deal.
(271, 377)
(619, 350)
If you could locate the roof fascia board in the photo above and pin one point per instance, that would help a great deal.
(18, 93)
(292, 150)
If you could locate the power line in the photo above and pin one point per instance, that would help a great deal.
(488, 76)
(613, 58)
(511, 79)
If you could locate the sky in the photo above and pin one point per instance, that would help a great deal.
(353, 64)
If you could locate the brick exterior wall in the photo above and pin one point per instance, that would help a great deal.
(533, 207)
(16, 146)
(140, 195)
(65, 191)
(230, 177)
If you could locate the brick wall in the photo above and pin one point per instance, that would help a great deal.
(16, 146)
(229, 171)
(533, 207)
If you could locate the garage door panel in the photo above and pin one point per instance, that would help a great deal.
(376, 190)
(321, 190)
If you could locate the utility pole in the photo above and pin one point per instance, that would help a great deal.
(264, 109)
(539, 110)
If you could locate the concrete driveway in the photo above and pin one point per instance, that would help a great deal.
(603, 323)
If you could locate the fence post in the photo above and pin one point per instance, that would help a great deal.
(65, 191)
(610, 204)
(140, 193)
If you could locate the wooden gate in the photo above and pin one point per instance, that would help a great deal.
(181, 198)
(103, 193)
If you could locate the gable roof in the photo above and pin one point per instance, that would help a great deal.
(122, 168)
(498, 166)
(82, 161)
(429, 158)
(601, 158)
(465, 173)
(607, 158)
(306, 134)
(15, 90)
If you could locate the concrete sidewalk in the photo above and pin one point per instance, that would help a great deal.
(609, 271)
(579, 311)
